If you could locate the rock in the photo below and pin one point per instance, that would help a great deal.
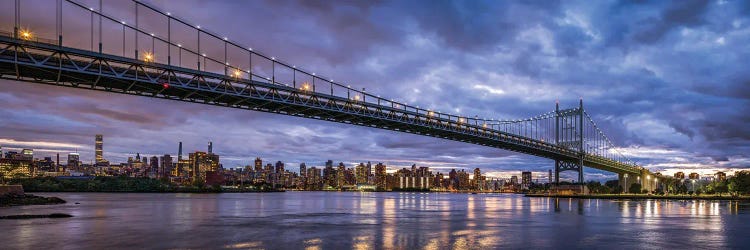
(27, 199)
(35, 216)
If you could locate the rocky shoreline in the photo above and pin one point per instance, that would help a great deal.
(640, 197)
(9, 200)
(35, 216)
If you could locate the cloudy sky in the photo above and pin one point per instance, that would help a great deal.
(667, 81)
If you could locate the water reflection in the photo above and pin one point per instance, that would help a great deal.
(340, 220)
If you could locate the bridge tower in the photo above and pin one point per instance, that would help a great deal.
(569, 133)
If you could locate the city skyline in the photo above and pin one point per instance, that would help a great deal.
(669, 129)
(127, 157)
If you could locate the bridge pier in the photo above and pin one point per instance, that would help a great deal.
(648, 181)
(625, 180)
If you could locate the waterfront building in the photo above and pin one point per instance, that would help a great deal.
(329, 175)
(694, 176)
(368, 170)
(314, 181)
(526, 178)
(720, 176)
(99, 148)
(302, 169)
(203, 162)
(380, 176)
(74, 161)
(165, 168)
(463, 180)
(258, 164)
(15, 168)
(514, 180)
(340, 175)
(679, 175)
(154, 166)
(361, 173)
(279, 167)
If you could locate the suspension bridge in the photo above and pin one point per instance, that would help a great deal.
(186, 62)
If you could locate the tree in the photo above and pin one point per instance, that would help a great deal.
(721, 187)
(594, 186)
(635, 188)
(740, 183)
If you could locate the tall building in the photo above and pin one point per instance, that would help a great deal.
(313, 179)
(341, 175)
(27, 154)
(154, 163)
(74, 160)
(279, 167)
(202, 163)
(179, 153)
(477, 174)
(360, 171)
(380, 176)
(526, 178)
(514, 180)
(329, 175)
(368, 170)
(99, 148)
(166, 166)
(210, 147)
(679, 175)
(549, 176)
(302, 169)
(258, 164)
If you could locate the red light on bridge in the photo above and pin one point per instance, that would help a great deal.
(166, 85)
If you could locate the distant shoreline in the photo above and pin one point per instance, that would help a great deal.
(641, 197)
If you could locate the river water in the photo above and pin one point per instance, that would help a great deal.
(349, 220)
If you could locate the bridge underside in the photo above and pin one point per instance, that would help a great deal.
(61, 66)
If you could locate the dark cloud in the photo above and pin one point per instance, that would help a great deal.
(682, 14)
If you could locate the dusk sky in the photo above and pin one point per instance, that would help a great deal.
(667, 81)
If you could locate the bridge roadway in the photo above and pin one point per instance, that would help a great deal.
(47, 63)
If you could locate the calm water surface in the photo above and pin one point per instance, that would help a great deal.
(343, 220)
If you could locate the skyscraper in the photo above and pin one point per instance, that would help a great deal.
(258, 164)
(526, 178)
(202, 163)
(279, 167)
(380, 176)
(329, 175)
(361, 173)
(179, 153)
(302, 169)
(210, 147)
(73, 161)
(166, 166)
(154, 165)
(99, 148)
